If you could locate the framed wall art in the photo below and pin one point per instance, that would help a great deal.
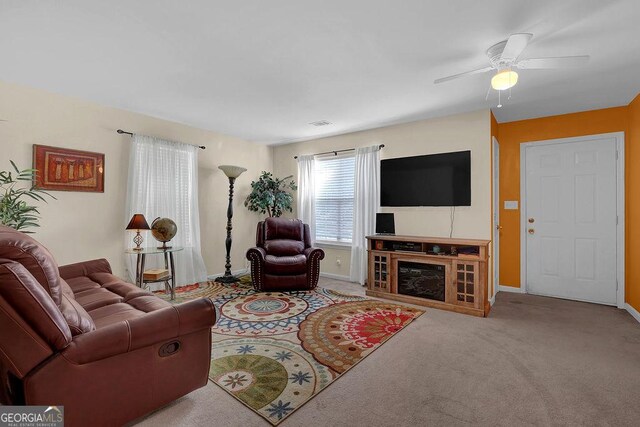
(63, 169)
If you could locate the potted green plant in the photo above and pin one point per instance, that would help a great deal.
(15, 212)
(269, 195)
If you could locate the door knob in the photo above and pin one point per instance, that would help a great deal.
(531, 231)
(531, 220)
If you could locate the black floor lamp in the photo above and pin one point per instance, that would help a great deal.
(232, 173)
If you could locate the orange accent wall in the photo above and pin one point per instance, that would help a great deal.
(511, 135)
(632, 151)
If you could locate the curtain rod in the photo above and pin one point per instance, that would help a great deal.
(120, 131)
(335, 152)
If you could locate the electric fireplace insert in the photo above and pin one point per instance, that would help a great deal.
(422, 280)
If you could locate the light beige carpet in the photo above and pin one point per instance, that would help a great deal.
(275, 351)
(534, 361)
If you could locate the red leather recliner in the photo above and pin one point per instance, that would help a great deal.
(78, 336)
(283, 258)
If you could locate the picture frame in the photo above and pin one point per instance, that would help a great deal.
(65, 169)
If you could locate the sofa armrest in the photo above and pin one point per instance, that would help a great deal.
(153, 328)
(314, 253)
(256, 253)
(256, 256)
(85, 268)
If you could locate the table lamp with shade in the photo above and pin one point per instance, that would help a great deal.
(138, 223)
(232, 172)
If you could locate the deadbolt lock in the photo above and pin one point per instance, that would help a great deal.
(531, 220)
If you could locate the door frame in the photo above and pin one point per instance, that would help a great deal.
(495, 244)
(620, 206)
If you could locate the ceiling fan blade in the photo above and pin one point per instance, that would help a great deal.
(515, 45)
(558, 62)
(468, 73)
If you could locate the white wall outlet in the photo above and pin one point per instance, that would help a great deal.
(338, 262)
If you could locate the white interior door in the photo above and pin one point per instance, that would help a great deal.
(571, 219)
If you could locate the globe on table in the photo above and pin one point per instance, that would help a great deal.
(163, 230)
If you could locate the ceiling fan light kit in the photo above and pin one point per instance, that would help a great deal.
(505, 79)
(505, 56)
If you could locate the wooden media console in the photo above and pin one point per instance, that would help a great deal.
(450, 274)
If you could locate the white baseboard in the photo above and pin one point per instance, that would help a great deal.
(492, 300)
(632, 311)
(234, 272)
(335, 276)
(503, 288)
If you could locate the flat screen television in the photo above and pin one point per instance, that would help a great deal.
(431, 180)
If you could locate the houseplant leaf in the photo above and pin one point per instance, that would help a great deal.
(15, 212)
(269, 195)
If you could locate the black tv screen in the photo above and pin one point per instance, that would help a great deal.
(431, 180)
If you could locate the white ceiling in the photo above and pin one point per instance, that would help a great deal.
(263, 70)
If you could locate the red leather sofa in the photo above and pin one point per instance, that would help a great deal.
(80, 337)
(283, 258)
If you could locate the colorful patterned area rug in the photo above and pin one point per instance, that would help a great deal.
(274, 351)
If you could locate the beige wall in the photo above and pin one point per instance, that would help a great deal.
(470, 131)
(81, 226)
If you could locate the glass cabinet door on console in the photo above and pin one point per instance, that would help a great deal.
(379, 274)
(465, 279)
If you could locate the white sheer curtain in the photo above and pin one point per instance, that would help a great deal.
(365, 207)
(163, 182)
(306, 193)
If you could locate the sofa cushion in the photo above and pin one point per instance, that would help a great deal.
(283, 228)
(148, 303)
(283, 247)
(285, 265)
(104, 279)
(21, 290)
(126, 290)
(114, 313)
(19, 247)
(81, 269)
(95, 298)
(77, 317)
(80, 284)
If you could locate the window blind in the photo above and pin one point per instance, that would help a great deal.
(334, 198)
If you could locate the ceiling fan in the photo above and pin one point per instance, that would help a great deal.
(504, 57)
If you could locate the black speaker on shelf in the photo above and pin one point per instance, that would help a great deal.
(385, 224)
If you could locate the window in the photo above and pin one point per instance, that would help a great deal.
(334, 180)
